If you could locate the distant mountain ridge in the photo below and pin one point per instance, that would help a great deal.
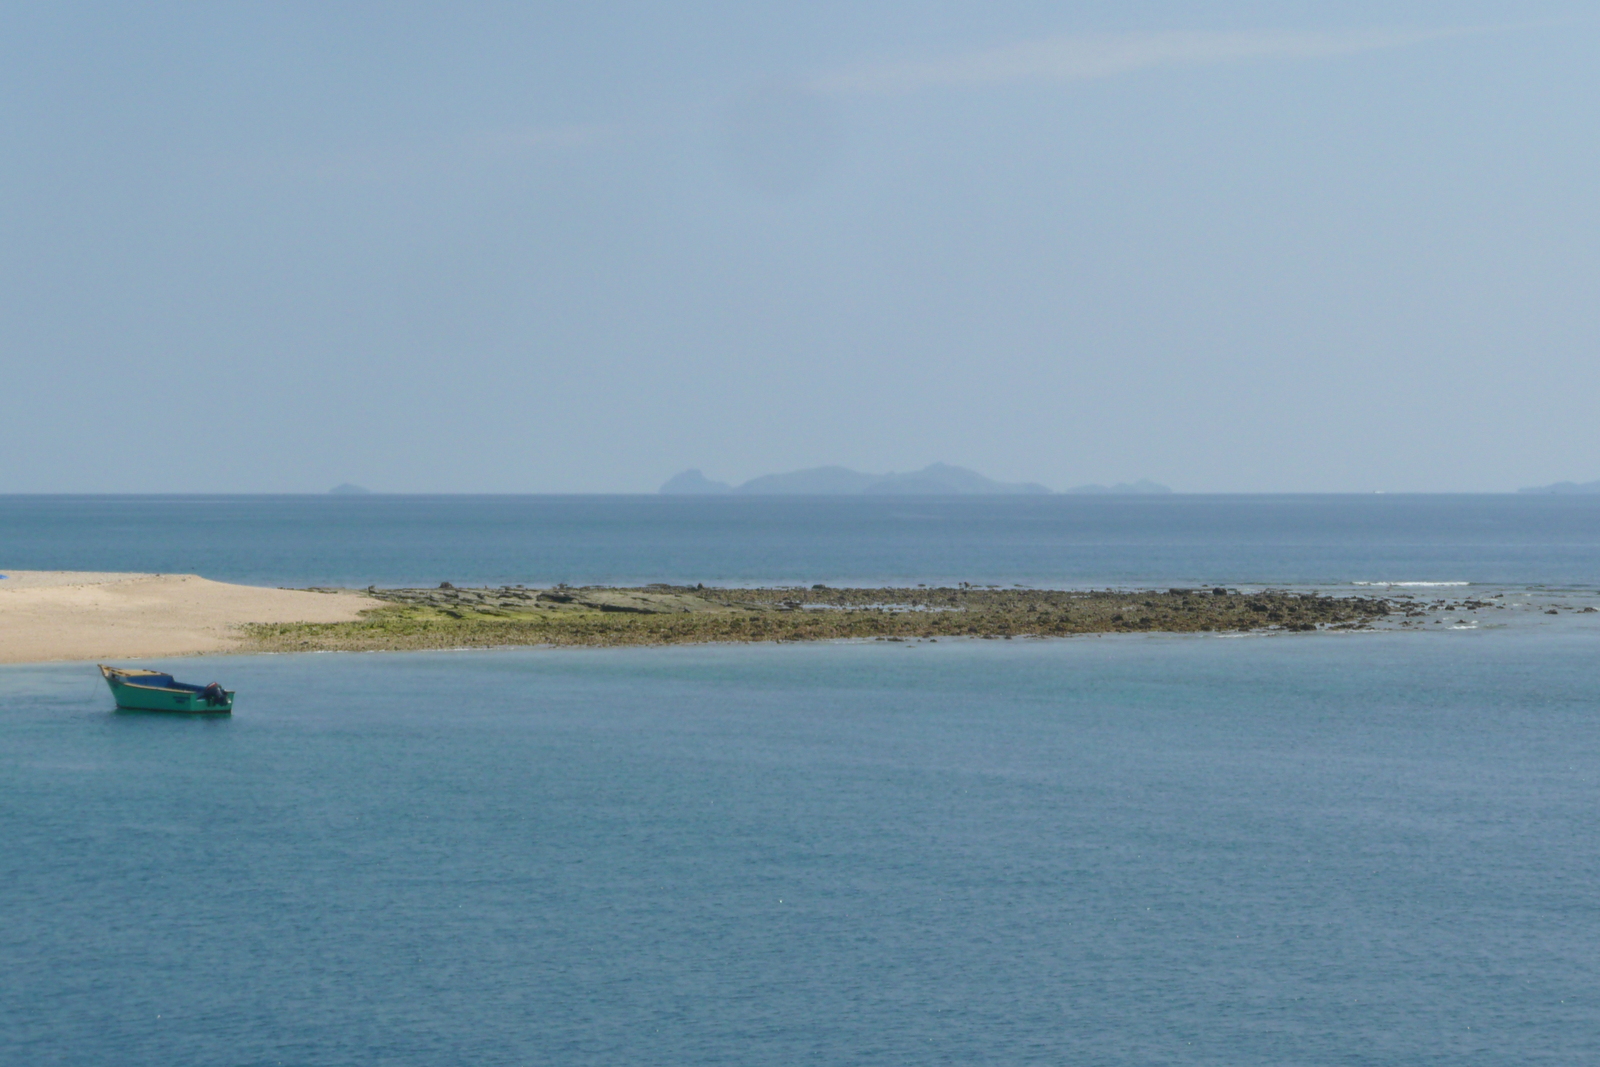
(936, 479)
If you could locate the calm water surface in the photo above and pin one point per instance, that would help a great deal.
(1062, 541)
(1320, 849)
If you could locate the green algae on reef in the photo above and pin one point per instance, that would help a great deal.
(665, 615)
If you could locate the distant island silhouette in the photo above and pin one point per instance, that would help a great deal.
(936, 479)
(1143, 485)
(1563, 488)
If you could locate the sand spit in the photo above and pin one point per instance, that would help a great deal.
(84, 615)
(120, 617)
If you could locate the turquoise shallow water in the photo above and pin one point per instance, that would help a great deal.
(1319, 849)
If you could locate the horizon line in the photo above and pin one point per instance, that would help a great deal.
(1529, 491)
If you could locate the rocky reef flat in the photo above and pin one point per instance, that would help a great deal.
(448, 617)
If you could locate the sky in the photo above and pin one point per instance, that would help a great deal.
(537, 247)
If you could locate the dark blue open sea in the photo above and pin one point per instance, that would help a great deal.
(1311, 849)
(1046, 540)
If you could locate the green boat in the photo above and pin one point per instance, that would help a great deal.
(155, 691)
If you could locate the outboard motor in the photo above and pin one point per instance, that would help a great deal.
(214, 694)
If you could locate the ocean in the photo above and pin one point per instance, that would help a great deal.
(1309, 849)
(1067, 541)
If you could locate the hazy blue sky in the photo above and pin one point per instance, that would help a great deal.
(579, 247)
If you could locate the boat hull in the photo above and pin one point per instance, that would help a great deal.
(131, 696)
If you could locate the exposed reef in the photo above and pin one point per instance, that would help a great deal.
(447, 617)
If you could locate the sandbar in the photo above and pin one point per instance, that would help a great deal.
(59, 615)
(85, 615)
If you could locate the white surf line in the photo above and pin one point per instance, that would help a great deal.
(1398, 585)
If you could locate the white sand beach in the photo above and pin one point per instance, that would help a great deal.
(84, 615)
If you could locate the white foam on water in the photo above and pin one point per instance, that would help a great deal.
(1396, 584)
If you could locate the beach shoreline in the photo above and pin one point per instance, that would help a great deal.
(51, 616)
